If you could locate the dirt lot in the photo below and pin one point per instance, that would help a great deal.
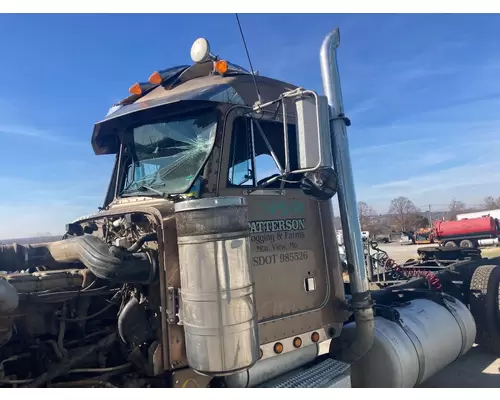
(477, 369)
(402, 253)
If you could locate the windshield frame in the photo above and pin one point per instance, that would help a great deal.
(126, 137)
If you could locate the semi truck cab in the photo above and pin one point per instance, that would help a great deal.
(213, 260)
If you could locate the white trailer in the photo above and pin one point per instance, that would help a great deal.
(479, 214)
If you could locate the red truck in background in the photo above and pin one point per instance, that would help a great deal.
(472, 232)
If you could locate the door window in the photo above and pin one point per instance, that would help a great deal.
(248, 168)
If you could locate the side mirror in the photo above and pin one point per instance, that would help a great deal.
(314, 147)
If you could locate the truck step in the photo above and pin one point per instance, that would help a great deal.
(326, 374)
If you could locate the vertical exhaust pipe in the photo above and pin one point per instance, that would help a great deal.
(361, 298)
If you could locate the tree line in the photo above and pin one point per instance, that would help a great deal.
(403, 215)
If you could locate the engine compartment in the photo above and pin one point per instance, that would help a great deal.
(83, 311)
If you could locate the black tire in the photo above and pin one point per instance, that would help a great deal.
(450, 244)
(485, 307)
(468, 244)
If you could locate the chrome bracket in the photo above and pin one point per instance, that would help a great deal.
(173, 306)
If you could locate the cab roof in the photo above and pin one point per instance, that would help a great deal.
(186, 83)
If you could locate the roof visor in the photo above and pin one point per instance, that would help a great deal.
(104, 137)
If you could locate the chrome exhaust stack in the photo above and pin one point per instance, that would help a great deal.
(361, 298)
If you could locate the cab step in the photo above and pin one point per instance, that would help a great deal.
(328, 373)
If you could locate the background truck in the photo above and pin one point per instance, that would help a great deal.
(406, 238)
(424, 236)
(213, 260)
(472, 232)
(383, 238)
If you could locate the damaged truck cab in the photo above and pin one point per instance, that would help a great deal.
(211, 139)
(213, 261)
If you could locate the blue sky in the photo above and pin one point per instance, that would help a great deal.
(422, 91)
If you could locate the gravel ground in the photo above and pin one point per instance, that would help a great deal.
(402, 253)
(476, 369)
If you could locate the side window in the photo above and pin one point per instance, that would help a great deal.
(248, 169)
(241, 162)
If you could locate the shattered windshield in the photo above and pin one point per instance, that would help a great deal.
(167, 156)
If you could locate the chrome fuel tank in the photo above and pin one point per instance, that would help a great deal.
(217, 288)
(427, 338)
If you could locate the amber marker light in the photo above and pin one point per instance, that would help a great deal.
(297, 342)
(135, 89)
(315, 337)
(221, 66)
(278, 348)
(155, 78)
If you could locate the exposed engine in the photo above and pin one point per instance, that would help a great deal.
(83, 311)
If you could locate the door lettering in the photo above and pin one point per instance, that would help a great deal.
(281, 225)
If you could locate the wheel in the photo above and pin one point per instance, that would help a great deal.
(467, 244)
(485, 306)
(450, 244)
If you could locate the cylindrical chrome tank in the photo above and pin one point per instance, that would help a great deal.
(217, 289)
(429, 338)
(488, 242)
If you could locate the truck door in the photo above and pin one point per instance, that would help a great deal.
(293, 285)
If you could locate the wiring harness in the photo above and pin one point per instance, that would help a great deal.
(405, 271)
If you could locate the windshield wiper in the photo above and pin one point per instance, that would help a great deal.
(144, 188)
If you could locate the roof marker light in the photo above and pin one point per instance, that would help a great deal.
(135, 89)
(155, 78)
(220, 66)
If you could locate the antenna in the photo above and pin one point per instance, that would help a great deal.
(249, 60)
